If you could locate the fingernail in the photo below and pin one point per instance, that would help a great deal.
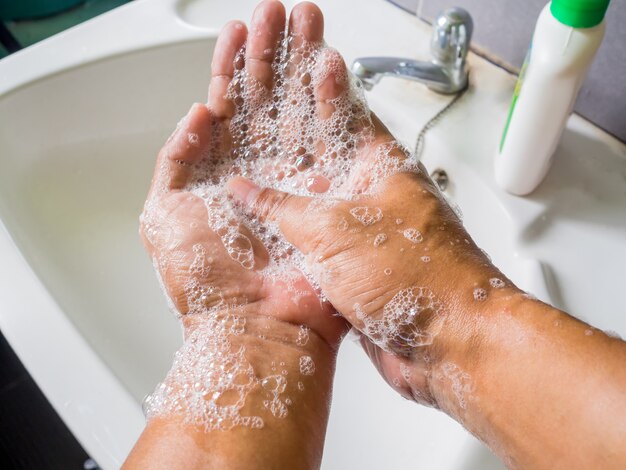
(243, 190)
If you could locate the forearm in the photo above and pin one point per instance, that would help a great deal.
(282, 418)
(541, 388)
(446, 328)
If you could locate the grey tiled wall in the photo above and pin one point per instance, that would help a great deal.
(503, 29)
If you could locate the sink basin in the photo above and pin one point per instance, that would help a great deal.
(84, 115)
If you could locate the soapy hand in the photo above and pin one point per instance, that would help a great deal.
(255, 330)
(286, 114)
(204, 266)
(378, 258)
(196, 270)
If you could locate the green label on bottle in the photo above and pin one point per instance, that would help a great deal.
(516, 92)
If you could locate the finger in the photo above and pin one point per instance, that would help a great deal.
(331, 82)
(306, 23)
(183, 148)
(266, 30)
(229, 43)
(276, 206)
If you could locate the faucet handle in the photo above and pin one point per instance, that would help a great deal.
(452, 34)
(446, 72)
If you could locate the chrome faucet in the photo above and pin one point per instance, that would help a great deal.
(446, 72)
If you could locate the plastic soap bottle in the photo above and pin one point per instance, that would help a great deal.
(567, 36)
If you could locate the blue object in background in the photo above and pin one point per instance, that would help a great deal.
(27, 9)
(39, 19)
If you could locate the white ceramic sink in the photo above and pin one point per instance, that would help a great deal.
(83, 115)
(568, 238)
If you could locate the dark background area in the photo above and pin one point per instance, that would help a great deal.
(32, 435)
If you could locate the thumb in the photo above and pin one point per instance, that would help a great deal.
(276, 206)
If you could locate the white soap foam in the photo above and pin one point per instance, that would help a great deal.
(367, 215)
(461, 382)
(303, 335)
(413, 235)
(412, 318)
(193, 139)
(209, 380)
(277, 139)
(307, 366)
(380, 239)
(480, 294)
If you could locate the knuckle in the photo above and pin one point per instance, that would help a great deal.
(270, 204)
(323, 239)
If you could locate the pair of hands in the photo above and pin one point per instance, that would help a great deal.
(369, 273)
(440, 322)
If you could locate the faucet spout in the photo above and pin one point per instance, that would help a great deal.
(372, 69)
(445, 73)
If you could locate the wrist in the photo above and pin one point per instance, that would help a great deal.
(479, 341)
(238, 369)
(444, 374)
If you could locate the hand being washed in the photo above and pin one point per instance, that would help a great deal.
(380, 259)
(259, 350)
(444, 327)
(198, 271)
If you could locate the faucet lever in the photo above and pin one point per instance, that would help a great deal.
(452, 34)
(446, 72)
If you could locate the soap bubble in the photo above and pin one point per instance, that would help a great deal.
(480, 294)
(307, 366)
(412, 318)
(413, 235)
(380, 239)
(276, 139)
(367, 215)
